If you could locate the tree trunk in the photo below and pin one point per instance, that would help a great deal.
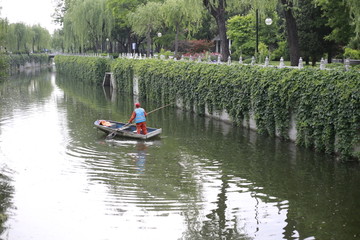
(148, 41)
(292, 36)
(224, 45)
(313, 61)
(177, 40)
(330, 53)
(219, 14)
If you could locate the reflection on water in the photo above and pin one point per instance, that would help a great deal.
(6, 191)
(202, 179)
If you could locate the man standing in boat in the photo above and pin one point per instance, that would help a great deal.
(139, 116)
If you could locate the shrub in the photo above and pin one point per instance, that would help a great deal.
(352, 53)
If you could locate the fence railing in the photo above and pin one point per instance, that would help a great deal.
(323, 63)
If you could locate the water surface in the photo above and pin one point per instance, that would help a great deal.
(202, 179)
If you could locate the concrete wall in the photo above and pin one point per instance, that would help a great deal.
(28, 65)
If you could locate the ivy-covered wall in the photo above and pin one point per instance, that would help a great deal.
(18, 61)
(91, 69)
(14, 62)
(324, 104)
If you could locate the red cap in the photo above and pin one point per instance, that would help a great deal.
(137, 104)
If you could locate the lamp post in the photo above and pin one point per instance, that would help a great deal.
(257, 31)
(268, 22)
(159, 34)
(107, 45)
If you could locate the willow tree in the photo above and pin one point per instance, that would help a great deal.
(121, 31)
(145, 20)
(19, 34)
(40, 38)
(178, 15)
(87, 23)
(57, 40)
(3, 31)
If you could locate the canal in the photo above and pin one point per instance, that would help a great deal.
(202, 179)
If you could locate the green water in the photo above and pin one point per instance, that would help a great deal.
(202, 179)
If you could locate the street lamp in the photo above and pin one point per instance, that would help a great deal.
(268, 21)
(159, 34)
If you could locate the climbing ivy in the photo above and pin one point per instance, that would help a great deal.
(325, 104)
(83, 68)
(16, 60)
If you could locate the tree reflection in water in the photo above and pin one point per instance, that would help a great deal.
(6, 191)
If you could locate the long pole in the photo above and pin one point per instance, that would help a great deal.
(159, 108)
(113, 133)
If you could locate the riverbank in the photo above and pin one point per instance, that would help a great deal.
(14, 63)
(318, 109)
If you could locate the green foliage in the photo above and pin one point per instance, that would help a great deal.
(326, 104)
(90, 69)
(146, 18)
(87, 24)
(20, 38)
(338, 15)
(352, 53)
(281, 51)
(4, 66)
(167, 54)
(17, 60)
(123, 72)
(242, 32)
(312, 30)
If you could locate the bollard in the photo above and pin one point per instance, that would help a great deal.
(252, 60)
(347, 64)
(266, 61)
(301, 64)
(322, 64)
(240, 60)
(281, 64)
